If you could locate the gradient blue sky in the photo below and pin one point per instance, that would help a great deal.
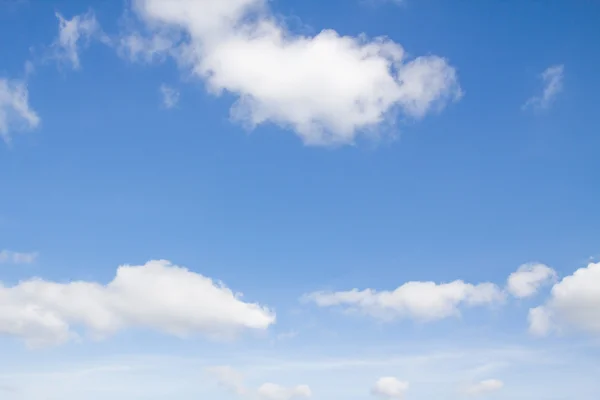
(111, 176)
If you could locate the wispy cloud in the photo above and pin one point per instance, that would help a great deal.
(13, 257)
(552, 79)
(15, 112)
(170, 96)
(73, 34)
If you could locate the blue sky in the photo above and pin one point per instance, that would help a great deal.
(411, 217)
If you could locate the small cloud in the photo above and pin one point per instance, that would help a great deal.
(170, 96)
(13, 257)
(15, 111)
(529, 278)
(73, 34)
(390, 388)
(484, 387)
(552, 79)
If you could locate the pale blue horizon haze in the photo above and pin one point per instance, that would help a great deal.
(405, 193)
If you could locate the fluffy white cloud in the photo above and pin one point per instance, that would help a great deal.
(13, 257)
(528, 279)
(73, 34)
(425, 301)
(157, 295)
(574, 304)
(552, 79)
(390, 388)
(328, 88)
(485, 387)
(170, 96)
(271, 391)
(15, 111)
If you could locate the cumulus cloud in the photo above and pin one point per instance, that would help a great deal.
(15, 112)
(552, 79)
(574, 304)
(170, 96)
(328, 88)
(484, 387)
(529, 278)
(157, 295)
(390, 388)
(13, 257)
(425, 301)
(73, 34)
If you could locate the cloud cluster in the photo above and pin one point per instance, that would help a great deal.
(176, 301)
(15, 112)
(574, 305)
(328, 88)
(157, 295)
(430, 301)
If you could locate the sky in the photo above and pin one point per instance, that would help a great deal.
(286, 200)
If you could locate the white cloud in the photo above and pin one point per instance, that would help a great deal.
(73, 34)
(15, 111)
(425, 301)
(574, 304)
(170, 96)
(529, 278)
(484, 387)
(390, 388)
(157, 295)
(271, 391)
(13, 257)
(328, 88)
(552, 79)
